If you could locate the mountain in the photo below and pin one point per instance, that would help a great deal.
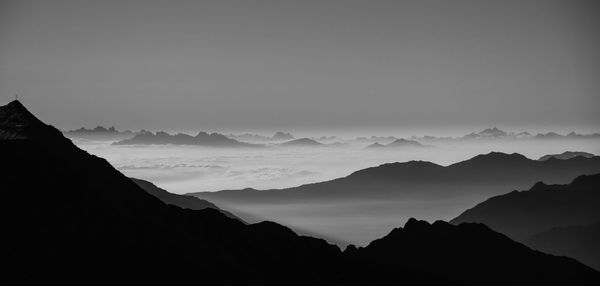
(99, 133)
(397, 143)
(523, 214)
(201, 139)
(73, 218)
(579, 242)
(326, 138)
(376, 145)
(493, 171)
(495, 133)
(278, 136)
(375, 139)
(302, 142)
(282, 136)
(431, 251)
(571, 135)
(377, 198)
(486, 134)
(566, 155)
(182, 201)
(558, 219)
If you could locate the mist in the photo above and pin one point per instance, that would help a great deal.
(188, 169)
(185, 169)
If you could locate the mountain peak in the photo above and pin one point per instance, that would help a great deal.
(16, 122)
(413, 223)
(16, 114)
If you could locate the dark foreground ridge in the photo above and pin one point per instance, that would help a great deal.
(558, 219)
(70, 217)
(182, 201)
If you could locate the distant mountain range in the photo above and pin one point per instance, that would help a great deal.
(73, 218)
(278, 136)
(99, 133)
(495, 133)
(201, 139)
(396, 143)
(302, 142)
(566, 155)
(546, 215)
(376, 139)
(326, 138)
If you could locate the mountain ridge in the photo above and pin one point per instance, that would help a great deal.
(200, 139)
(73, 218)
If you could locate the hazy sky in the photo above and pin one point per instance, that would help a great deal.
(303, 64)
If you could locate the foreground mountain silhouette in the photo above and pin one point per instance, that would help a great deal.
(523, 214)
(553, 218)
(578, 241)
(201, 139)
(72, 218)
(183, 201)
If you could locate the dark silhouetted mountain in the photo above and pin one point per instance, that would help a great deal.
(73, 218)
(302, 142)
(99, 133)
(579, 242)
(552, 218)
(397, 143)
(183, 201)
(202, 139)
(566, 155)
(523, 214)
(430, 251)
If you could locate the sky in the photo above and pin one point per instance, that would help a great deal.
(302, 65)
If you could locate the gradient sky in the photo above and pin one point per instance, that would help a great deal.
(303, 64)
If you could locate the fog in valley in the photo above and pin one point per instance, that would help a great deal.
(188, 169)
